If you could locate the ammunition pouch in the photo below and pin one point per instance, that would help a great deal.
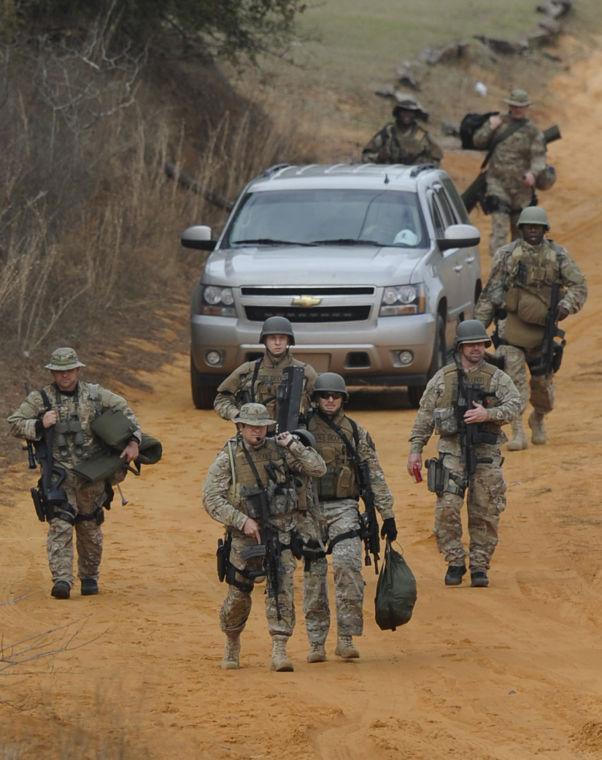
(446, 421)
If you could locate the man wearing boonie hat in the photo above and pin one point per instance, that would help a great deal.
(518, 156)
(64, 411)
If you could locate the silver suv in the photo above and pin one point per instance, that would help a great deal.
(373, 264)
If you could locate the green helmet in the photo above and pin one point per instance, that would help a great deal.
(533, 215)
(63, 359)
(277, 326)
(331, 381)
(518, 97)
(254, 414)
(471, 331)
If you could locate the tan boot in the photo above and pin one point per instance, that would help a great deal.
(231, 653)
(316, 653)
(280, 660)
(538, 431)
(345, 648)
(518, 442)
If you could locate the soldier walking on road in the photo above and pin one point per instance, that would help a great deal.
(343, 444)
(258, 381)
(253, 489)
(518, 297)
(69, 406)
(465, 403)
(403, 141)
(518, 157)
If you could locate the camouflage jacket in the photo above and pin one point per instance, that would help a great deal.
(392, 145)
(87, 402)
(504, 274)
(507, 407)
(521, 152)
(335, 454)
(218, 486)
(258, 382)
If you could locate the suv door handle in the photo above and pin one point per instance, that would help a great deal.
(458, 268)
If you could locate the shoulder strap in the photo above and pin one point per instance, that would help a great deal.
(251, 464)
(232, 467)
(45, 399)
(254, 378)
(350, 450)
(510, 130)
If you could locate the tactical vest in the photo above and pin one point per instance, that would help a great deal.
(527, 301)
(404, 148)
(445, 414)
(280, 483)
(73, 436)
(340, 480)
(261, 385)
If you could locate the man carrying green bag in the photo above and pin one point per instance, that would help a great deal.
(395, 591)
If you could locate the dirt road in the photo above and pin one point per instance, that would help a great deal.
(514, 671)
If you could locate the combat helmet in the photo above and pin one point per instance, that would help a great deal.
(64, 359)
(471, 331)
(331, 381)
(518, 97)
(277, 326)
(254, 414)
(533, 215)
(405, 102)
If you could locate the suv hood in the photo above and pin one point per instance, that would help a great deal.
(308, 265)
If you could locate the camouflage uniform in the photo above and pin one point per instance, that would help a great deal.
(85, 499)
(339, 493)
(394, 144)
(224, 498)
(486, 488)
(521, 152)
(258, 381)
(519, 283)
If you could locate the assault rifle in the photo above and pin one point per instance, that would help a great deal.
(289, 396)
(475, 192)
(471, 435)
(368, 521)
(49, 495)
(550, 356)
(269, 549)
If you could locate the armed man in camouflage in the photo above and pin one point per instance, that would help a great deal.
(276, 468)
(403, 141)
(443, 410)
(258, 381)
(518, 157)
(518, 298)
(70, 405)
(343, 443)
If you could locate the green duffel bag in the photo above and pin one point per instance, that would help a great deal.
(103, 466)
(113, 428)
(395, 591)
(151, 450)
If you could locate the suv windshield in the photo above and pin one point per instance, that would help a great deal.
(373, 217)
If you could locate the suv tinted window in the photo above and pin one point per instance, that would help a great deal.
(456, 201)
(382, 217)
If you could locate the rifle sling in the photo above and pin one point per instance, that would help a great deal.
(510, 130)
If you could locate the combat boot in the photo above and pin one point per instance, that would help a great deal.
(538, 431)
(61, 590)
(316, 653)
(280, 659)
(231, 652)
(479, 579)
(518, 442)
(89, 586)
(345, 648)
(453, 576)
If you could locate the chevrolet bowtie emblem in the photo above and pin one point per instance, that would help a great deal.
(306, 301)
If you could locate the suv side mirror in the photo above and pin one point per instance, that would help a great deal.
(459, 236)
(198, 237)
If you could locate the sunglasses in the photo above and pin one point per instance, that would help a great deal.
(329, 394)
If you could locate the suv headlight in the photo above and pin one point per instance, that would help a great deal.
(402, 299)
(217, 301)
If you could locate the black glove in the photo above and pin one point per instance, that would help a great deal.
(389, 529)
(562, 312)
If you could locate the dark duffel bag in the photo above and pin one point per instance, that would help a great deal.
(395, 591)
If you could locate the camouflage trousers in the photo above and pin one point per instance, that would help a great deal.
(342, 516)
(236, 608)
(486, 500)
(503, 222)
(84, 499)
(540, 388)
(315, 593)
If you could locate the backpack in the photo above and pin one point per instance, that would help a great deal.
(469, 125)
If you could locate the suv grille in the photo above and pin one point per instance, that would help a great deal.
(309, 291)
(320, 314)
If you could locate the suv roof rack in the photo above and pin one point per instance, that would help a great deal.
(273, 169)
(421, 168)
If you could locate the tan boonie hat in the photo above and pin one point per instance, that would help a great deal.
(518, 98)
(63, 359)
(254, 414)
